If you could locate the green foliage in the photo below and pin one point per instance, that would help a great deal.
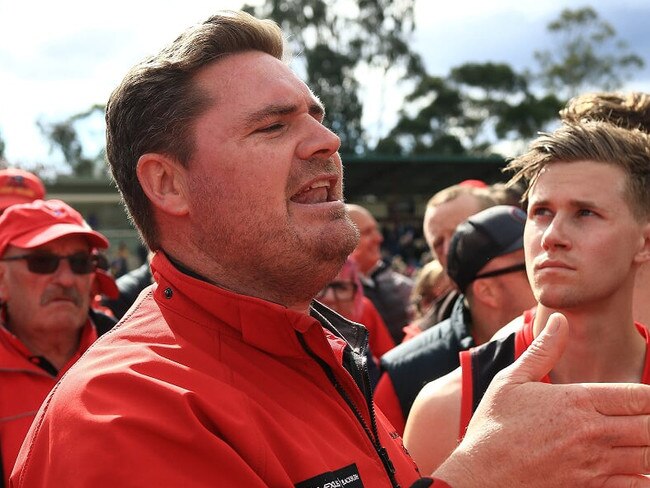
(587, 56)
(480, 104)
(491, 77)
(335, 40)
(63, 135)
(467, 111)
(475, 106)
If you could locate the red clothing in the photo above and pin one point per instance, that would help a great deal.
(23, 387)
(379, 338)
(522, 339)
(386, 399)
(410, 331)
(199, 386)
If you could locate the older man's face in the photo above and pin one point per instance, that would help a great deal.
(440, 223)
(368, 251)
(58, 301)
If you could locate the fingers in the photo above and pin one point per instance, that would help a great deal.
(619, 398)
(629, 431)
(630, 459)
(543, 353)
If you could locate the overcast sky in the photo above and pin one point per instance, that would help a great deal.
(59, 58)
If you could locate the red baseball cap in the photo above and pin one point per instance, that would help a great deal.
(473, 183)
(30, 225)
(19, 186)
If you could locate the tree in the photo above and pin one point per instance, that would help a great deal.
(337, 41)
(476, 106)
(468, 111)
(587, 56)
(430, 129)
(63, 135)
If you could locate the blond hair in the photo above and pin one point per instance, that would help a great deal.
(628, 149)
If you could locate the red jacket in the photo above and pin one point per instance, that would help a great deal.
(23, 387)
(199, 386)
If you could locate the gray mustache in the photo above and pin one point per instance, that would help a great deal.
(61, 293)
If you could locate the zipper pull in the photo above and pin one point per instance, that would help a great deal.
(390, 468)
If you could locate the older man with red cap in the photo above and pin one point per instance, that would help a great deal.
(20, 186)
(47, 269)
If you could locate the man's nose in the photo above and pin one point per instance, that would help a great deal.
(63, 273)
(317, 141)
(555, 235)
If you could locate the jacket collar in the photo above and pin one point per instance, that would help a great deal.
(263, 324)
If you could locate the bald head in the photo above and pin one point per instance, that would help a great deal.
(368, 251)
(446, 210)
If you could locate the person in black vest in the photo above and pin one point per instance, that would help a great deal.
(445, 210)
(486, 261)
(129, 286)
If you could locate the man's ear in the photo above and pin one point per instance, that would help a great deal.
(643, 254)
(484, 291)
(164, 181)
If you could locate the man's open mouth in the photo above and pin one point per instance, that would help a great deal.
(316, 192)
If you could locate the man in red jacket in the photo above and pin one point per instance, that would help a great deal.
(225, 372)
(46, 274)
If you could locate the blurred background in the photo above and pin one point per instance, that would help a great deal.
(423, 93)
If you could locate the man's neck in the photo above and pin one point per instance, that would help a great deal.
(486, 321)
(300, 306)
(57, 347)
(604, 346)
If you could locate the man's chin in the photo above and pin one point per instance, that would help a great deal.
(65, 312)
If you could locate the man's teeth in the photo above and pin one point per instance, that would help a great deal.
(316, 193)
(320, 184)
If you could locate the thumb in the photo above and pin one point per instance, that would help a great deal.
(544, 352)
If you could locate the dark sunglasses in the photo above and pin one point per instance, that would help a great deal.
(46, 263)
(343, 290)
(501, 271)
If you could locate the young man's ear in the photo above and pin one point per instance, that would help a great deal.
(164, 181)
(643, 254)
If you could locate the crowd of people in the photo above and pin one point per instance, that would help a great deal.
(267, 342)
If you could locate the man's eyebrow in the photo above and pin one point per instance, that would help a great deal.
(576, 203)
(316, 109)
(584, 203)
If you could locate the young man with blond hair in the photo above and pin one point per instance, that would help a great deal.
(587, 233)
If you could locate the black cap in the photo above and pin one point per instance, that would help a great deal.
(482, 237)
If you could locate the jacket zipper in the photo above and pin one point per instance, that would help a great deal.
(373, 435)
